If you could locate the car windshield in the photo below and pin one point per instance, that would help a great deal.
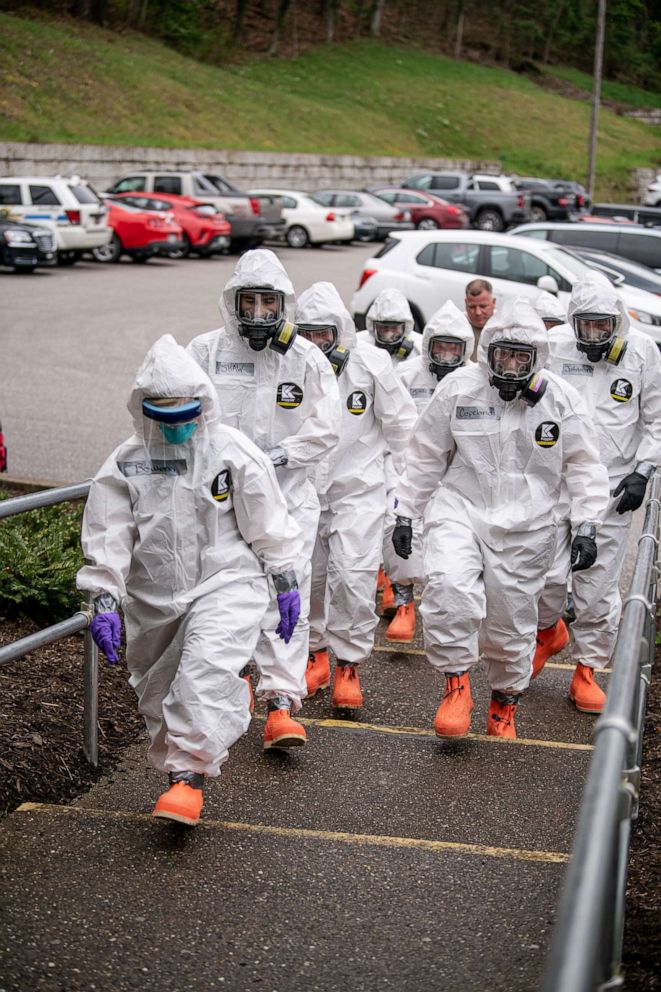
(84, 193)
(569, 260)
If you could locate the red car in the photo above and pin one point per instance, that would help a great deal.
(206, 230)
(427, 210)
(138, 233)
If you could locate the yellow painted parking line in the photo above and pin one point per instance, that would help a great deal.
(423, 732)
(335, 836)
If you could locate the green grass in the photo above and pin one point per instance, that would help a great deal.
(634, 96)
(72, 82)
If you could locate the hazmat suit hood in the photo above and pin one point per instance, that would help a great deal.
(321, 304)
(390, 304)
(595, 294)
(260, 267)
(516, 320)
(549, 307)
(448, 321)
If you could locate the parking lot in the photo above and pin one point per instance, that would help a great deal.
(73, 339)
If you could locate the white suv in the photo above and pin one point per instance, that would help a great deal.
(70, 208)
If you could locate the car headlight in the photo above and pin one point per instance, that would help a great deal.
(645, 318)
(18, 237)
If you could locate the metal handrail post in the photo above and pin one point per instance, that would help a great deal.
(45, 497)
(10, 652)
(91, 693)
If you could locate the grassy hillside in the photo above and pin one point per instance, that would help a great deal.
(73, 82)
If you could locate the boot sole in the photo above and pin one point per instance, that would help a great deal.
(188, 821)
(451, 737)
(314, 692)
(582, 709)
(285, 742)
(401, 640)
(348, 706)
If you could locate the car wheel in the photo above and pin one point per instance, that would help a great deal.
(182, 252)
(537, 215)
(141, 257)
(67, 257)
(427, 224)
(489, 220)
(19, 269)
(297, 237)
(109, 252)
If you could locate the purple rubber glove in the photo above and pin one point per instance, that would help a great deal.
(106, 631)
(289, 604)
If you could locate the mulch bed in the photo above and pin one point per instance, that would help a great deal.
(41, 760)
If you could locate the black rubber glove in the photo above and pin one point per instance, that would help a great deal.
(583, 552)
(633, 487)
(402, 537)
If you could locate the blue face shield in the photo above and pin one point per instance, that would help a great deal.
(178, 433)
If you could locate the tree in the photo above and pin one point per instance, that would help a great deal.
(283, 7)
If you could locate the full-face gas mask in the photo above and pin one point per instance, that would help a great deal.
(511, 371)
(260, 312)
(325, 337)
(176, 416)
(446, 353)
(595, 336)
(390, 335)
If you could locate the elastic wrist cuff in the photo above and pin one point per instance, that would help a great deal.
(285, 581)
(587, 529)
(105, 603)
(645, 469)
(403, 522)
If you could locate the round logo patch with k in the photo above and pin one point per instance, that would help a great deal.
(357, 402)
(221, 487)
(547, 434)
(289, 395)
(621, 390)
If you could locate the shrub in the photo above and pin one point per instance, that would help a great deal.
(39, 556)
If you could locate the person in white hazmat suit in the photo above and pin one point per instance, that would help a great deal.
(278, 390)
(447, 344)
(377, 414)
(495, 444)
(618, 373)
(182, 523)
(550, 309)
(389, 325)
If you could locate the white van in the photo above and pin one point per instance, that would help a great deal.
(70, 208)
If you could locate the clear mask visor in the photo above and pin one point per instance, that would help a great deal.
(389, 331)
(172, 410)
(259, 307)
(447, 352)
(594, 329)
(323, 335)
(512, 361)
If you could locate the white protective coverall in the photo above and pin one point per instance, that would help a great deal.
(549, 307)
(377, 414)
(288, 401)
(421, 384)
(497, 469)
(624, 405)
(391, 305)
(181, 536)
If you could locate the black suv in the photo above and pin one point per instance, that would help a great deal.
(25, 246)
(547, 200)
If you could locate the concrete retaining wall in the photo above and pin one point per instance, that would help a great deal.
(101, 165)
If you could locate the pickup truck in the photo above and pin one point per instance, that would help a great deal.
(490, 205)
(252, 218)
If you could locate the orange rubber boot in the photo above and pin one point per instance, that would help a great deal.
(585, 692)
(182, 802)
(388, 607)
(346, 688)
(549, 642)
(380, 579)
(317, 673)
(500, 721)
(282, 732)
(453, 716)
(402, 626)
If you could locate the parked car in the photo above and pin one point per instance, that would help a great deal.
(653, 194)
(492, 202)
(206, 231)
(140, 234)
(428, 212)
(583, 198)
(308, 222)
(547, 200)
(640, 244)
(620, 269)
(648, 216)
(430, 267)
(69, 208)
(25, 246)
(252, 219)
(367, 205)
(364, 228)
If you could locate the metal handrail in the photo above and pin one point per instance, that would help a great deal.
(79, 621)
(586, 948)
